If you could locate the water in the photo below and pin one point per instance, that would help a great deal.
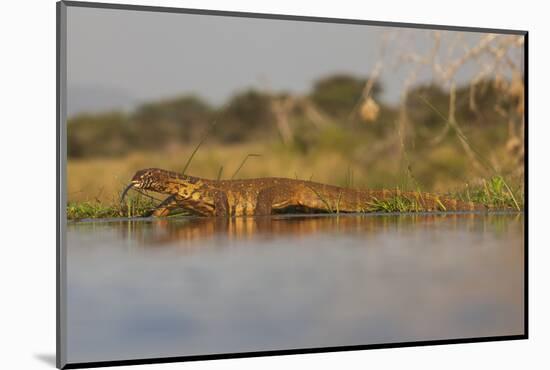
(156, 288)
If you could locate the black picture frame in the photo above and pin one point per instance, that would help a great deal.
(61, 161)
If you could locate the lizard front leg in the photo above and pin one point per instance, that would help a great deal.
(164, 208)
(217, 199)
(221, 204)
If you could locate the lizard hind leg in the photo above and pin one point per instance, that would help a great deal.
(274, 197)
(264, 202)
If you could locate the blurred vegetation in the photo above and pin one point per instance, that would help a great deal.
(339, 94)
(481, 114)
(166, 122)
(249, 116)
(246, 116)
(107, 134)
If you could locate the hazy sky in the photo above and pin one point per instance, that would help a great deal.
(118, 58)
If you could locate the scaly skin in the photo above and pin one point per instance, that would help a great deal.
(264, 196)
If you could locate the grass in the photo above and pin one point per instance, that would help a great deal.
(494, 193)
(397, 203)
(242, 164)
(204, 137)
(83, 210)
(135, 206)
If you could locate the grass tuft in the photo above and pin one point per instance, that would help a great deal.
(495, 193)
(135, 206)
(397, 203)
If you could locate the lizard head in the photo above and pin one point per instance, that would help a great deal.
(153, 179)
(162, 181)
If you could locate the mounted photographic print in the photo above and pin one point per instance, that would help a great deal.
(236, 184)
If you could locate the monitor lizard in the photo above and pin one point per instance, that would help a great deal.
(265, 196)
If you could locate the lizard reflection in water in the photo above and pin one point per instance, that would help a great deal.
(168, 232)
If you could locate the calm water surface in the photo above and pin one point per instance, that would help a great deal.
(156, 288)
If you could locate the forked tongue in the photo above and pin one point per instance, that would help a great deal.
(131, 185)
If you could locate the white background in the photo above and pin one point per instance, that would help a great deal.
(27, 182)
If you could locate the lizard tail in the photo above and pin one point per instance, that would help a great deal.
(335, 199)
(424, 201)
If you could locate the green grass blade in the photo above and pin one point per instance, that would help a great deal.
(203, 139)
(243, 162)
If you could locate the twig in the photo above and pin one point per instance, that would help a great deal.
(468, 148)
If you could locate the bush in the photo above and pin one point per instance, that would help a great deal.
(107, 134)
(246, 114)
(181, 120)
(338, 94)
